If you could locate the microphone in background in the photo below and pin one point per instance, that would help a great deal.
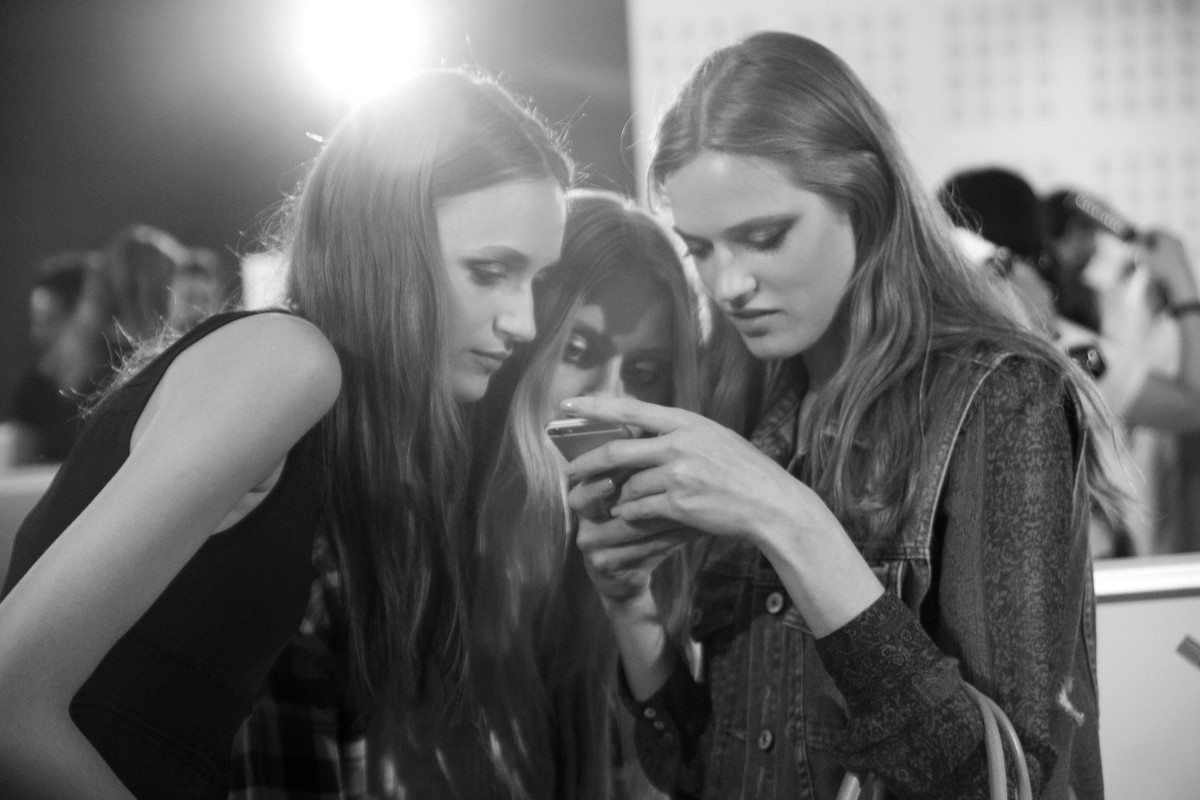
(1091, 210)
(1099, 214)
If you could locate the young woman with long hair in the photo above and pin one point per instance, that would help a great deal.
(170, 561)
(620, 321)
(910, 510)
(615, 318)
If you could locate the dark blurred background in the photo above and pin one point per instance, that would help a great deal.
(193, 115)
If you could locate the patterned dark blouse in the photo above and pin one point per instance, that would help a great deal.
(992, 584)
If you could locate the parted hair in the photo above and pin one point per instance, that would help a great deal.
(550, 651)
(364, 265)
(915, 308)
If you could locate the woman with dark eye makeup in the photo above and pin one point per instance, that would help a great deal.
(891, 487)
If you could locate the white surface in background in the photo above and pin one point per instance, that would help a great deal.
(1099, 94)
(1149, 693)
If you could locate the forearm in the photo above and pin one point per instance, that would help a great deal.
(647, 655)
(823, 572)
(1169, 263)
(1189, 351)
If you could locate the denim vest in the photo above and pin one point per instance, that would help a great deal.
(778, 719)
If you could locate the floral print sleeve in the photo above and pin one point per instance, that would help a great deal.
(1009, 610)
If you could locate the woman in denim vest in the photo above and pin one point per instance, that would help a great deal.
(909, 512)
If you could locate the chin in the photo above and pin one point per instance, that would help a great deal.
(470, 390)
(771, 348)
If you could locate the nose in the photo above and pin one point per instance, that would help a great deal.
(515, 322)
(605, 380)
(732, 284)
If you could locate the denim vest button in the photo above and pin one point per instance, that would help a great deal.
(649, 713)
(766, 740)
(659, 725)
(774, 603)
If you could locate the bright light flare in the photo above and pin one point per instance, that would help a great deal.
(359, 48)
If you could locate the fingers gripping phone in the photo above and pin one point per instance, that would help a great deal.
(574, 437)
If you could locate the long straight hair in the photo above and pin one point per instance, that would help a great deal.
(549, 694)
(916, 308)
(364, 265)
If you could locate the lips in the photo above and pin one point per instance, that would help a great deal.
(491, 358)
(752, 323)
(747, 314)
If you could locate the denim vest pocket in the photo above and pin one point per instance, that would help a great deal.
(822, 714)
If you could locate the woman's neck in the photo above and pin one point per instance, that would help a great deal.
(825, 356)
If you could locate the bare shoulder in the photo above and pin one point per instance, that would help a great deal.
(275, 370)
(276, 335)
(276, 353)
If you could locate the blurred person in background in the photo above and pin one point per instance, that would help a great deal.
(142, 262)
(67, 307)
(1108, 332)
(204, 282)
(1147, 294)
(1069, 244)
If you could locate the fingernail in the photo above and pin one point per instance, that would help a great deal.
(570, 404)
(607, 486)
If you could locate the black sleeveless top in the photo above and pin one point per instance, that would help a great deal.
(164, 704)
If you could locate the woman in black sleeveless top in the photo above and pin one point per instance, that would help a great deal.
(169, 562)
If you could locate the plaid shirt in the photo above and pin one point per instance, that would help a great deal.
(301, 740)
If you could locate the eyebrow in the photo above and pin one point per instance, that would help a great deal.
(508, 255)
(746, 226)
(588, 332)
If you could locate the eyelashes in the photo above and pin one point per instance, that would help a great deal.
(487, 273)
(582, 352)
(770, 241)
(761, 241)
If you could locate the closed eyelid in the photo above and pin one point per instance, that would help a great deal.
(760, 229)
(488, 265)
(751, 231)
(770, 229)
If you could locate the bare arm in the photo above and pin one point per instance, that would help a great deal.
(225, 414)
(621, 571)
(1172, 402)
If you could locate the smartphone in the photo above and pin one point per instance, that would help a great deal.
(574, 437)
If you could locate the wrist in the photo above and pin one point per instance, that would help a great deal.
(822, 569)
(636, 606)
